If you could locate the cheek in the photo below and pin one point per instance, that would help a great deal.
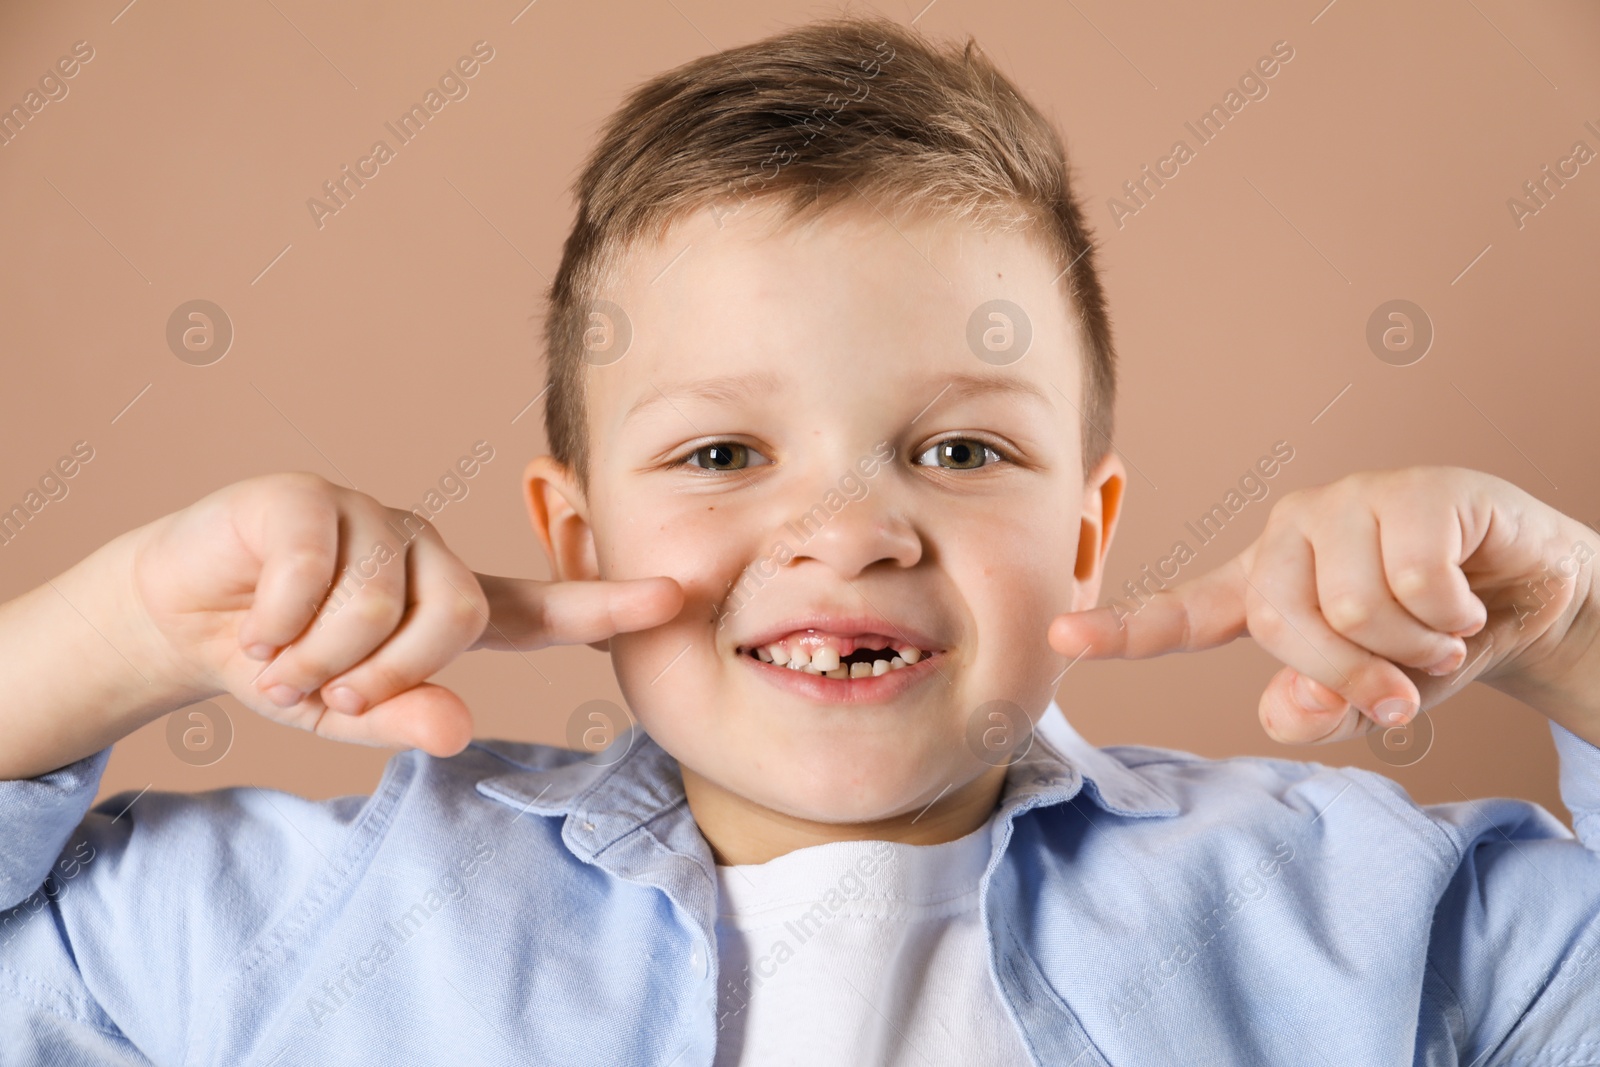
(684, 540)
(1026, 552)
(1015, 577)
(697, 545)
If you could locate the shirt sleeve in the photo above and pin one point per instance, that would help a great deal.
(1514, 962)
(121, 924)
(1580, 783)
(39, 815)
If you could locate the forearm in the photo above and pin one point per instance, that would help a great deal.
(79, 672)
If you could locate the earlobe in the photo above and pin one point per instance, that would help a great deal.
(559, 514)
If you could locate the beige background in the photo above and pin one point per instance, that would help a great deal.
(377, 349)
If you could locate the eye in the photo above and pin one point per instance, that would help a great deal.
(959, 454)
(723, 456)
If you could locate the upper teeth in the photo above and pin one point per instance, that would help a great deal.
(825, 660)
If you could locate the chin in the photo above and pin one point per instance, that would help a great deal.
(861, 783)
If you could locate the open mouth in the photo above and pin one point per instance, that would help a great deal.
(830, 656)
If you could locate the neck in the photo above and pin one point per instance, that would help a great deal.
(740, 831)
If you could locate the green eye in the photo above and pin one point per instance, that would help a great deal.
(959, 454)
(724, 456)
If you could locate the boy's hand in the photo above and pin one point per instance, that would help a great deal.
(308, 603)
(1386, 592)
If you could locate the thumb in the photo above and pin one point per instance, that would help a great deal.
(1298, 710)
(426, 716)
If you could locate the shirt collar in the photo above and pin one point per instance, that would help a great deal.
(1112, 784)
(609, 794)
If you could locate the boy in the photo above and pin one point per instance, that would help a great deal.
(829, 365)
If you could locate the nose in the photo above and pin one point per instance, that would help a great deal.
(853, 531)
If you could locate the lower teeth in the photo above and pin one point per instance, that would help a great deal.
(857, 669)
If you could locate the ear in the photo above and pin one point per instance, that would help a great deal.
(1102, 507)
(559, 513)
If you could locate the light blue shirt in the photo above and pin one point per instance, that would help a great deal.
(519, 904)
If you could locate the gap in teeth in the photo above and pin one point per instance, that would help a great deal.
(826, 661)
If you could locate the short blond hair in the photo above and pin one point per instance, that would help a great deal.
(852, 108)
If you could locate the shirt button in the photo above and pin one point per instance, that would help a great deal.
(697, 961)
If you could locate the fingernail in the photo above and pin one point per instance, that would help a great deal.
(1449, 663)
(343, 698)
(259, 651)
(285, 696)
(1394, 711)
(1307, 696)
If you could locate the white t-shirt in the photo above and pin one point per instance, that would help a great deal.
(860, 952)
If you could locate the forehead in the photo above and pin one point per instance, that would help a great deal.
(850, 297)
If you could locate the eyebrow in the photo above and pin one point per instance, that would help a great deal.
(744, 387)
(724, 390)
(967, 385)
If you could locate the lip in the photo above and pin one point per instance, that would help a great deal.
(844, 626)
(874, 689)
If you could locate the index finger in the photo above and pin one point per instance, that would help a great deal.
(525, 614)
(1201, 613)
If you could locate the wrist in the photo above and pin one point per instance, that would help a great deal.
(149, 674)
(83, 666)
(1580, 693)
(1565, 685)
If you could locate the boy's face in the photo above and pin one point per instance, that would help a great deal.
(742, 446)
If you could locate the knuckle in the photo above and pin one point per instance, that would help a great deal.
(1346, 612)
(1266, 622)
(299, 484)
(372, 609)
(461, 599)
(412, 522)
(468, 612)
(1295, 498)
(307, 561)
(1411, 579)
(369, 506)
(1353, 493)
(1350, 485)
(1285, 512)
(279, 480)
(468, 594)
(1411, 479)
